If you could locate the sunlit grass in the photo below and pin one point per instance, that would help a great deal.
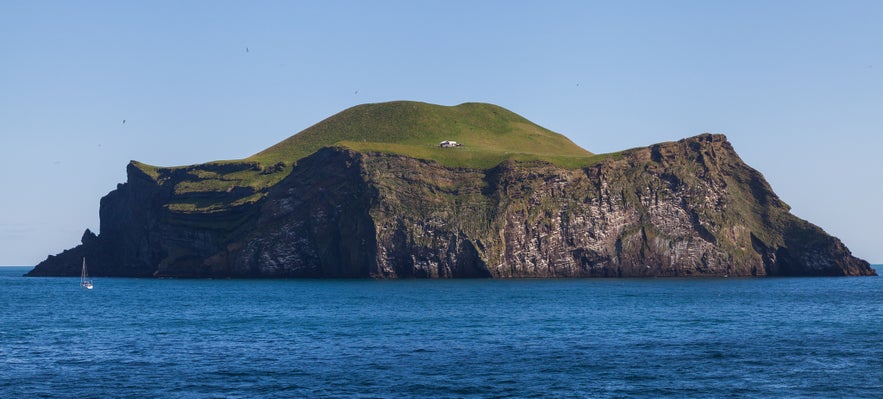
(489, 135)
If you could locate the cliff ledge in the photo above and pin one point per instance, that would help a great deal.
(685, 208)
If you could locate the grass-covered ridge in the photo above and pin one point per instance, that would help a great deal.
(489, 134)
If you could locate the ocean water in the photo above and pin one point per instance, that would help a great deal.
(594, 338)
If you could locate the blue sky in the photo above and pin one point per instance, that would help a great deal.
(797, 87)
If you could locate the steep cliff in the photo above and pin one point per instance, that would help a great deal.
(686, 208)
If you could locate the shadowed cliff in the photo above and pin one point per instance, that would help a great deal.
(368, 193)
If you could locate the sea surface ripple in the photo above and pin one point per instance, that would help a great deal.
(592, 338)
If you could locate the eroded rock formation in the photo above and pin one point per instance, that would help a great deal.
(686, 208)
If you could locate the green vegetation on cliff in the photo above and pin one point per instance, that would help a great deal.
(685, 208)
(488, 133)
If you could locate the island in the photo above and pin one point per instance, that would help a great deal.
(379, 191)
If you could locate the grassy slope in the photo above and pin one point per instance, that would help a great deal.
(489, 134)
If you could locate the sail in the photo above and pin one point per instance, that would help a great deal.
(87, 284)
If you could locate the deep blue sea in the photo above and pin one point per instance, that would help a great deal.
(593, 338)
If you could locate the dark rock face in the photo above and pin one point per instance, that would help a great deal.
(686, 208)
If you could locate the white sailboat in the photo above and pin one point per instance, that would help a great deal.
(87, 284)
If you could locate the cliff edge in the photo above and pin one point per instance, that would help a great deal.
(685, 208)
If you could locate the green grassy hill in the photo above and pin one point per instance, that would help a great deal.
(489, 134)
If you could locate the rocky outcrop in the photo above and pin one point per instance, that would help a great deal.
(686, 208)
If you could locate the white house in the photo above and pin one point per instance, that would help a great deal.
(449, 144)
